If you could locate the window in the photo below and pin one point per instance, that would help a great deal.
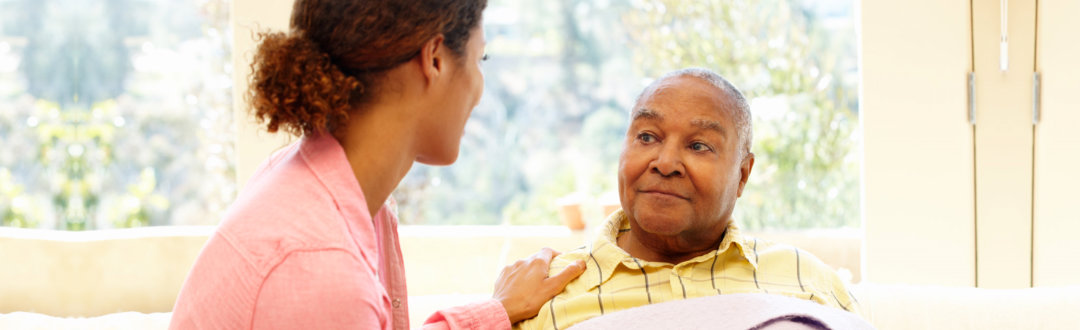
(563, 75)
(115, 113)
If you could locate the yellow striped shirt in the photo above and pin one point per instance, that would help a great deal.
(613, 280)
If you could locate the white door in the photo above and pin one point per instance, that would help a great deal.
(1003, 140)
(1056, 257)
(918, 156)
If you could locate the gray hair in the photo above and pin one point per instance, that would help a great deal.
(743, 122)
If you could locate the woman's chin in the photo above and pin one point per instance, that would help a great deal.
(443, 159)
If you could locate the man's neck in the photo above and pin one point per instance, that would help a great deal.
(640, 248)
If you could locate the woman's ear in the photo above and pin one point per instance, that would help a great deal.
(433, 59)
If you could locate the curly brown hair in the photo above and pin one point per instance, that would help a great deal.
(308, 80)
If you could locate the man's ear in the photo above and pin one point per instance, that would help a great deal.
(433, 59)
(744, 170)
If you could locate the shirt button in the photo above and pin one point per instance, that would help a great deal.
(397, 303)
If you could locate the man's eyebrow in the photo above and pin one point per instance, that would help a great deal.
(646, 113)
(711, 125)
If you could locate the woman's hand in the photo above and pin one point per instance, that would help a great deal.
(524, 286)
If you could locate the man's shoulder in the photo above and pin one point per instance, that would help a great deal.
(779, 262)
(567, 258)
(764, 250)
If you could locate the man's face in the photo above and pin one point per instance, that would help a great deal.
(682, 169)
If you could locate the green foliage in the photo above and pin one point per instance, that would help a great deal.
(15, 211)
(118, 114)
(550, 124)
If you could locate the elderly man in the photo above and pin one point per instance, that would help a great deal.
(686, 160)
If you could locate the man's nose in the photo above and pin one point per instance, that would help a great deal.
(668, 162)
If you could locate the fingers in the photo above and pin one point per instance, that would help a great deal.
(540, 261)
(524, 286)
(559, 281)
(546, 254)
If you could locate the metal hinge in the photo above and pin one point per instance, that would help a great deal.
(971, 98)
(1036, 98)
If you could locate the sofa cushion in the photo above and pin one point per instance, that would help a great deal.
(116, 321)
(898, 306)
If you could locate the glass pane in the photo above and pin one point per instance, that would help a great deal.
(563, 75)
(115, 113)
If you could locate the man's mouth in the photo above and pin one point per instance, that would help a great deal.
(664, 192)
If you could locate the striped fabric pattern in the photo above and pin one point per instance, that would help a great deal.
(613, 280)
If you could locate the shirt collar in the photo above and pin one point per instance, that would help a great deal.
(605, 253)
(326, 158)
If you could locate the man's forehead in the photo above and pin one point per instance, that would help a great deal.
(711, 123)
(671, 103)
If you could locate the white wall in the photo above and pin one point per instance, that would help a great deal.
(253, 143)
(1057, 146)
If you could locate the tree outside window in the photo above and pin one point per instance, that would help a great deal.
(114, 113)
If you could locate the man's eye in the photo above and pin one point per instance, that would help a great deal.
(646, 137)
(485, 57)
(698, 146)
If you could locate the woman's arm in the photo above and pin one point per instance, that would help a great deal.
(520, 291)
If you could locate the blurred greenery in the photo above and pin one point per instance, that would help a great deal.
(114, 113)
(553, 117)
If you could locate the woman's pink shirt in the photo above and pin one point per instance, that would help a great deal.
(299, 250)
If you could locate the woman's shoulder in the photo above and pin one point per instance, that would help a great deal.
(304, 197)
(283, 216)
(284, 189)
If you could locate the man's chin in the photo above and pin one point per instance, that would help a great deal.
(661, 224)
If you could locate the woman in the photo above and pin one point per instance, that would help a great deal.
(370, 86)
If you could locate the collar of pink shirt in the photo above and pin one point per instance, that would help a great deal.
(329, 164)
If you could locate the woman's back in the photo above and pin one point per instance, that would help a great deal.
(297, 240)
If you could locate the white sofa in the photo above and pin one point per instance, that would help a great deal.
(128, 279)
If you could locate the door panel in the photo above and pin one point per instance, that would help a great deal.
(1057, 146)
(1003, 144)
(917, 143)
